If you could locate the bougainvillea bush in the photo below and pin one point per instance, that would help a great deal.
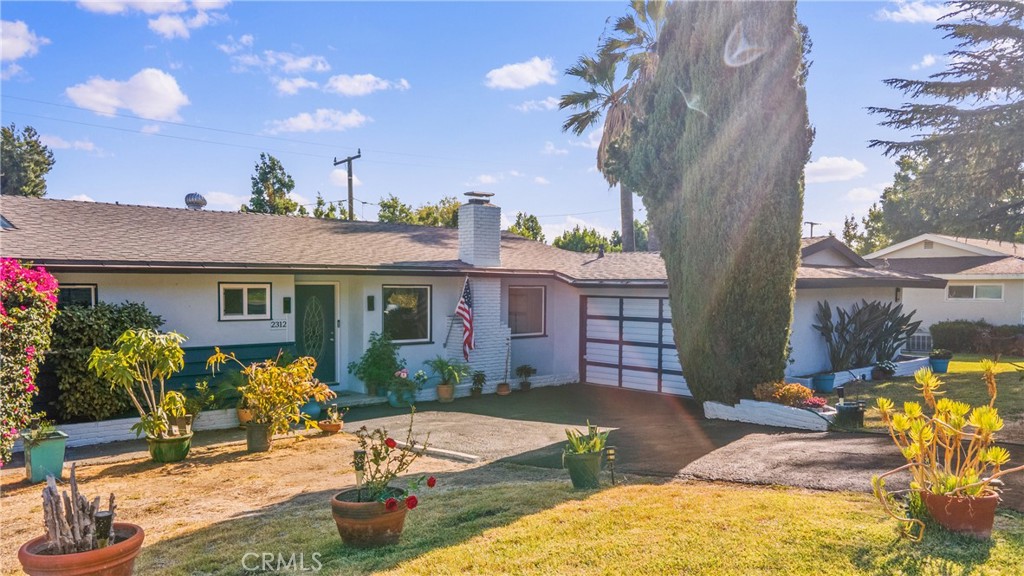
(28, 305)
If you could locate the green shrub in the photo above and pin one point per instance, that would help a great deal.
(978, 336)
(379, 362)
(793, 394)
(77, 331)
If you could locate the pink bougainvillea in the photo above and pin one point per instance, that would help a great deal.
(28, 305)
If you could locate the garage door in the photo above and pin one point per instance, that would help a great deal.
(627, 342)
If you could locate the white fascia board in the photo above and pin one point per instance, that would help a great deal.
(939, 239)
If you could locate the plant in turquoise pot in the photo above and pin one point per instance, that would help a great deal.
(44, 451)
(939, 359)
(402, 389)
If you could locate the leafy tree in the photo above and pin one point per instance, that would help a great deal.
(968, 126)
(874, 237)
(25, 160)
(394, 211)
(582, 240)
(632, 42)
(329, 210)
(527, 226)
(443, 214)
(718, 157)
(640, 235)
(271, 186)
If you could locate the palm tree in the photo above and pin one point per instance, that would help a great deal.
(634, 41)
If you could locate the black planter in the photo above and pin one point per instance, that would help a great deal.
(850, 414)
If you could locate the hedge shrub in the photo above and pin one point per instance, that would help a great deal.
(978, 336)
(83, 396)
(28, 305)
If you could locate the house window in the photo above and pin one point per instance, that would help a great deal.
(526, 310)
(245, 301)
(974, 292)
(76, 295)
(406, 311)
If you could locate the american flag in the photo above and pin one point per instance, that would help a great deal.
(464, 310)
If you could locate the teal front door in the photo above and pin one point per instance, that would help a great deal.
(315, 328)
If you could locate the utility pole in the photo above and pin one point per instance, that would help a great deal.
(351, 198)
(813, 224)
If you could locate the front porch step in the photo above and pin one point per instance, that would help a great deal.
(348, 399)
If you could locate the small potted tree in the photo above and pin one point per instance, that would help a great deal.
(378, 364)
(450, 373)
(939, 359)
(140, 362)
(335, 420)
(524, 372)
(44, 451)
(582, 456)
(479, 380)
(275, 394)
(81, 539)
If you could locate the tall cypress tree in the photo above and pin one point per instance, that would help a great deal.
(719, 158)
(970, 122)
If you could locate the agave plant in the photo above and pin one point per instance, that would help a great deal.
(579, 443)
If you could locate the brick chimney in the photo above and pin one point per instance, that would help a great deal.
(480, 231)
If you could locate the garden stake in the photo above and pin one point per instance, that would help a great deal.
(610, 454)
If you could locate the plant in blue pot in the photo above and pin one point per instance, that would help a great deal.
(939, 360)
(44, 451)
(402, 389)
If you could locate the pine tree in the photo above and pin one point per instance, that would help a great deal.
(968, 122)
(719, 159)
(527, 226)
(25, 162)
(270, 188)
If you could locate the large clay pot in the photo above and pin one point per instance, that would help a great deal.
(504, 389)
(963, 514)
(367, 524)
(173, 449)
(330, 427)
(117, 559)
(584, 469)
(446, 393)
(258, 437)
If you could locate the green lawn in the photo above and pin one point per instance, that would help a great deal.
(546, 528)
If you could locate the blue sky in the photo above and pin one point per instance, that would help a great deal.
(145, 102)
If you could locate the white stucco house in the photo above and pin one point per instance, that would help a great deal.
(252, 284)
(985, 277)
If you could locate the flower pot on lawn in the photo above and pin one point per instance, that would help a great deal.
(170, 449)
(939, 365)
(330, 427)
(258, 437)
(117, 559)
(367, 524)
(401, 398)
(584, 469)
(972, 516)
(44, 456)
(446, 393)
(824, 382)
(504, 389)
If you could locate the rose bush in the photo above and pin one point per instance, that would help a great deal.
(28, 305)
(382, 460)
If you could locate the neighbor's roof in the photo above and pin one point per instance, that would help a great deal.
(977, 246)
(965, 265)
(71, 235)
(1008, 248)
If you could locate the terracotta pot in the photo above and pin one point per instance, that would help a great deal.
(173, 449)
(504, 389)
(963, 514)
(118, 559)
(330, 427)
(476, 393)
(367, 524)
(446, 393)
(244, 416)
(525, 386)
(258, 437)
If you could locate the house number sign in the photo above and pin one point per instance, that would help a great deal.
(278, 324)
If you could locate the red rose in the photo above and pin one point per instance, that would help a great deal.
(411, 502)
(391, 504)
(390, 443)
(431, 481)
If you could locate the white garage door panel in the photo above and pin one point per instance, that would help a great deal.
(670, 361)
(633, 331)
(602, 375)
(667, 334)
(640, 380)
(602, 329)
(640, 356)
(603, 307)
(674, 384)
(600, 352)
(640, 308)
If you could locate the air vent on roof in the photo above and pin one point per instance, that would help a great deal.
(928, 244)
(195, 201)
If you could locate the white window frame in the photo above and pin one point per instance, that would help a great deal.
(244, 287)
(543, 309)
(90, 287)
(430, 312)
(974, 291)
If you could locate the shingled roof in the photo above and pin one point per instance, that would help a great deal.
(980, 265)
(71, 235)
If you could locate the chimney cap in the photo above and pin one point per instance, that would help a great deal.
(479, 197)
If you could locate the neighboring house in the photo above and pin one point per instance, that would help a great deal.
(253, 284)
(985, 277)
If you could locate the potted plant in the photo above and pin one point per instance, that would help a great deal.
(44, 451)
(378, 364)
(275, 394)
(524, 372)
(373, 513)
(81, 539)
(334, 421)
(849, 410)
(883, 370)
(582, 456)
(479, 380)
(450, 373)
(951, 456)
(503, 389)
(939, 359)
(140, 362)
(402, 389)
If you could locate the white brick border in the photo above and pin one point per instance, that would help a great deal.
(769, 414)
(903, 368)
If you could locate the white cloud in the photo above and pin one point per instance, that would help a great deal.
(10, 71)
(283, 61)
(864, 194)
(362, 84)
(592, 139)
(833, 169)
(152, 94)
(549, 103)
(170, 19)
(58, 143)
(914, 12)
(323, 120)
(541, 180)
(17, 41)
(927, 61)
(522, 75)
(556, 229)
(144, 6)
(169, 26)
(150, 129)
(483, 180)
(515, 173)
(551, 150)
(232, 46)
(339, 177)
(81, 198)
(291, 86)
(224, 201)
